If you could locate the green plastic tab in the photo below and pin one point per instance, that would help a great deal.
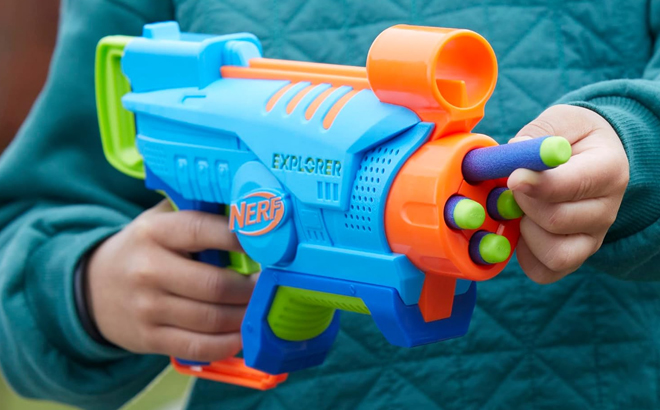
(300, 314)
(469, 214)
(507, 206)
(555, 151)
(494, 248)
(117, 124)
(243, 264)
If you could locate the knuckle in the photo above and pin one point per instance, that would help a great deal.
(556, 220)
(584, 187)
(143, 271)
(147, 308)
(537, 128)
(559, 258)
(609, 218)
(152, 342)
(214, 319)
(195, 227)
(143, 228)
(194, 350)
(217, 285)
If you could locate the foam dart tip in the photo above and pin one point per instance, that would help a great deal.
(487, 248)
(464, 213)
(537, 154)
(502, 206)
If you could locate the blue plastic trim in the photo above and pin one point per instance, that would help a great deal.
(400, 324)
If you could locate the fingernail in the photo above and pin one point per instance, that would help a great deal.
(521, 180)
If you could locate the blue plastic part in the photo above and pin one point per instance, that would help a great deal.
(168, 59)
(475, 241)
(500, 161)
(208, 141)
(281, 141)
(279, 246)
(400, 324)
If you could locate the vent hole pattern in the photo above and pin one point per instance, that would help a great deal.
(367, 192)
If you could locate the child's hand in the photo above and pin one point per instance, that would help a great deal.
(147, 296)
(569, 209)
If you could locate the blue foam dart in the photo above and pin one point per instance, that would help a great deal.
(500, 161)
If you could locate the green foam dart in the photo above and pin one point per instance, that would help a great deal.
(464, 213)
(488, 248)
(502, 206)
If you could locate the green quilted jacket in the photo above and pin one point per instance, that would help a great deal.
(590, 341)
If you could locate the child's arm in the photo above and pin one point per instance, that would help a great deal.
(58, 198)
(561, 233)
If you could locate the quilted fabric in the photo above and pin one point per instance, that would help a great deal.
(590, 341)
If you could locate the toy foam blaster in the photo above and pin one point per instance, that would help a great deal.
(356, 189)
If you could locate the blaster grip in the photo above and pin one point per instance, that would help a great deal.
(232, 370)
(117, 125)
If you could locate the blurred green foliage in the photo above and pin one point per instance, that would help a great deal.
(167, 393)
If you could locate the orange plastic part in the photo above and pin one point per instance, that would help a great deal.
(311, 110)
(297, 71)
(415, 225)
(232, 371)
(446, 77)
(276, 97)
(295, 100)
(334, 111)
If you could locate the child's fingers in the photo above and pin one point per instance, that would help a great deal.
(584, 176)
(565, 120)
(196, 316)
(199, 281)
(533, 268)
(188, 345)
(557, 255)
(191, 231)
(593, 215)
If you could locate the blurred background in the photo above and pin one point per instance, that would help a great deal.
(28, 30)
(27, 37)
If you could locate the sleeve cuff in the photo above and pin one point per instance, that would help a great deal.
(51, 282)
(639, 131)
(82, 305)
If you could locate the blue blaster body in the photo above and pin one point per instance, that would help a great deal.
(305, 167)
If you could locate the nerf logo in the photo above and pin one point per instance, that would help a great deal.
(308, 165)
(257, 213)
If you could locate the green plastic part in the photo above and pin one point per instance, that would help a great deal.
(507, 206)
(555, 151)
(117, 124)
(494, 248)
(243, 264)
(469, 214)
(300, 314)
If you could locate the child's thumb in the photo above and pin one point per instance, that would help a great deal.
(556, 120)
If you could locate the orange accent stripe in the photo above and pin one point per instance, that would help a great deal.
(311, 110)
(276, 97)
(294, 76)
(306, 67)
(295, 100)
(334, 111)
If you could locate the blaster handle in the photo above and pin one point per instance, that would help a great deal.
(117, 125)
(232, 370)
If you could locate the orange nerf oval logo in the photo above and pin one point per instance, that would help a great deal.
(256, 213)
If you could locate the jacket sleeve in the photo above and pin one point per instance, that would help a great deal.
(58, 198)
(631, 249)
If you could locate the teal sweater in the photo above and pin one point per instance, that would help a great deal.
(591, 340)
